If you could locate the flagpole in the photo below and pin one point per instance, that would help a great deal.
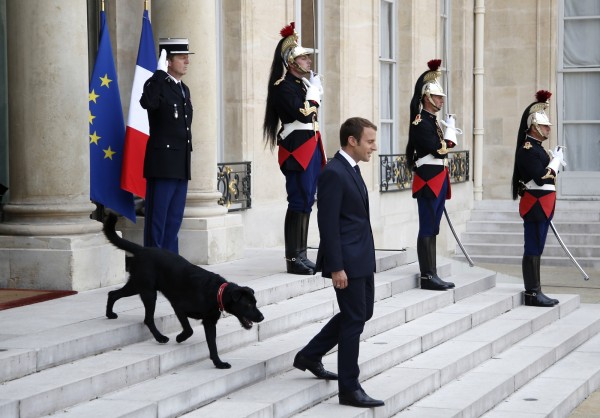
(145, 4)
(102, 5)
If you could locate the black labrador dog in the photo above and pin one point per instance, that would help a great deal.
(192, 291)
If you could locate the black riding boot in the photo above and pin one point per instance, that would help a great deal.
(293, 244)
(429, 280)
(531, 279)
(304, 238)
(433, 258)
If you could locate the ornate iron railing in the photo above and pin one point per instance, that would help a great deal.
(396, 176)
(234, 183)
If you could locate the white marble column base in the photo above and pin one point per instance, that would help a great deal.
(210, 240)
(77, 262)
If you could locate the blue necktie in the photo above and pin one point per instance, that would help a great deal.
(357, 169)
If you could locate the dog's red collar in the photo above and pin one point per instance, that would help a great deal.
(220, 296)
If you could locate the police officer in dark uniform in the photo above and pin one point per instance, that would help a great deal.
(293, 99)
(426, 153)
(168, 152)
(534, 179)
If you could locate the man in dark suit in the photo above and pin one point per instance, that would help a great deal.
(347, 256)
(167, 163)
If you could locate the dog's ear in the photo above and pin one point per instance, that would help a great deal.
(236, 295)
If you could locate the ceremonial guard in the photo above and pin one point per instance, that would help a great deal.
(167, 163)
(534, 179)
(293, 100)
(426, 154)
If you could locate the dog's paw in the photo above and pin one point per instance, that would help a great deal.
(163, 339)
(183, 336)
(111, 315)
(222, 365)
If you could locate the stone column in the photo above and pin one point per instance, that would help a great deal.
(208, 234)
(48, 240)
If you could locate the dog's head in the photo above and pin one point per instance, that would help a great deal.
(243, 306)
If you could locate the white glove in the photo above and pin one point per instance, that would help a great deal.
(558, 159)
(312, 91)
(162, 61)
(558, 152)
(315, 80)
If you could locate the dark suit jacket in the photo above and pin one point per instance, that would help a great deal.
(168, 152)
(344, 225)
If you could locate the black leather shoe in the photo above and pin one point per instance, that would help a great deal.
(534, 298)
(450, 285)
(315, 367)
(296, 266)
(306, 261)
(433, 283)
(359, 399)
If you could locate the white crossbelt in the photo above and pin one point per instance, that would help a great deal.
(429, 159)
(531, 185)
(288, 128)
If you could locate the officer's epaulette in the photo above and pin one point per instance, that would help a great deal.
(417, 119)
(527, 145)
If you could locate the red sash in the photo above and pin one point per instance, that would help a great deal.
(435, 183)
(303, 154)
(547, 202)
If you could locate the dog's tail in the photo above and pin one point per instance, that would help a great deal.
(115, 239)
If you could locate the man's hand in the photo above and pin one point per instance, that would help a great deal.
(340, 280)
(162, 61)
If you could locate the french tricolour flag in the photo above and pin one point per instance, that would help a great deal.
(138, 131)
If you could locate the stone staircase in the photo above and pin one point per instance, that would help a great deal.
(472, 351)
(494, 234)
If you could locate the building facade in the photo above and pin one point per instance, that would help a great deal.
(496, 55)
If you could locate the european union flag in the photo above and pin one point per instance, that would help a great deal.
(107, 132)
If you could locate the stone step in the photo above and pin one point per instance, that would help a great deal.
(550, 250)
(591, 263)
(190, 387)
(494, 233)
(414, 379)
(49, 337)
(417, 342)
(516, 238)
(513, 205)
(30, 352)
(493, 215)
(517, 226)
(490, 383)
(557, 390)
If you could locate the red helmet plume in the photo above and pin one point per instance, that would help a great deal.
(288, 30)
(434, 64)
(543, 95)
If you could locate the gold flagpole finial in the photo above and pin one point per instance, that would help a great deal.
(102, 5)
(145, 4)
